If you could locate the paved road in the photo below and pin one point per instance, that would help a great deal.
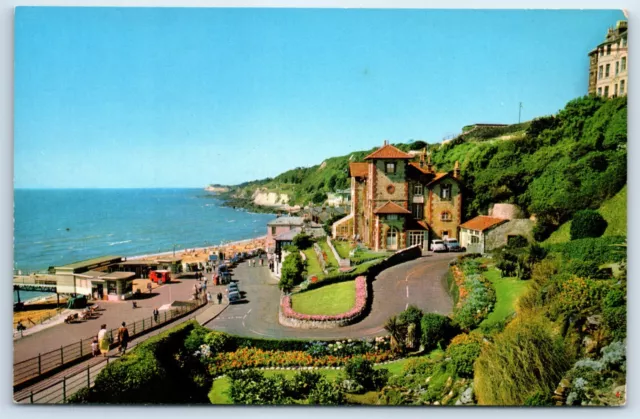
(420, 282)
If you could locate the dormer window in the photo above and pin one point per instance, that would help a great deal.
(445, 192)
(390, 168)
(417, 189)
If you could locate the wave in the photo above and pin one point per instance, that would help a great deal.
(122, 242)
(231, 221)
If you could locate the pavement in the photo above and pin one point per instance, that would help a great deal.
(112, 314)
(420, 282)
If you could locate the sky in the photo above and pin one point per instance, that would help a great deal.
(168, 97)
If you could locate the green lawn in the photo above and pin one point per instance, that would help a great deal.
(313, 265)
(331, 260)
(507, 292)
(219, 393)
(613, 210)
(343, 248)
(330, 299)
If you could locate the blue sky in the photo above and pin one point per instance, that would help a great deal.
(126, 97)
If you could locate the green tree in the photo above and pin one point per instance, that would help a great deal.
(293, 270)
(302, 241)
(587, 223)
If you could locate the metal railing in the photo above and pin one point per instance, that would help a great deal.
(44, 363)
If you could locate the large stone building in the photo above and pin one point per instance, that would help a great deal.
(608, 73)
(398, 201)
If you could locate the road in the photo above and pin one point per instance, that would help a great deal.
(420, 282)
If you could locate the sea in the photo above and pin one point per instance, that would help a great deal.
(55, 227)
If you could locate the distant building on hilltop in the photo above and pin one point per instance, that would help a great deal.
(397, 202)
(608, 75)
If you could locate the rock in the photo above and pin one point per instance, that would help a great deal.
(594, 321)
(436, 403)
(458, 403)
(447, 385)
(467, 396)
(559, 391)
(590, 345)
(564, 383)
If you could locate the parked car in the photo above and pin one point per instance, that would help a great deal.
(234, 297)
(453, 245)
(232, 287)
(438, 246)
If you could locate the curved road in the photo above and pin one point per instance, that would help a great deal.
(420, 282)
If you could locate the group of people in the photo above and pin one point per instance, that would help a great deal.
(218, 296)
(102, 343)
(252, 262)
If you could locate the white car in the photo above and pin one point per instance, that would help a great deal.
(438, 246)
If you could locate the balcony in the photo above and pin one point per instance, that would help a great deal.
(418, 199)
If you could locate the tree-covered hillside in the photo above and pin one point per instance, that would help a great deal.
(551, 166)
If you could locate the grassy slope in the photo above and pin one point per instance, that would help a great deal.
(613, 210)
(331, 260)
(507, 292)
(330, 299)
(342, 247)
(313, 266)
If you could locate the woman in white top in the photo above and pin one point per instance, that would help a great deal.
(104, 340)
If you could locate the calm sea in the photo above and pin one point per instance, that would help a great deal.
(58, 226)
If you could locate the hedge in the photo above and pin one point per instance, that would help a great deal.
(600, 250)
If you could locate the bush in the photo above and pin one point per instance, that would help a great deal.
(578, 295)
(361, 371)
(327, 393)
(539, 399)
(293, 270)
(411, 318)
(517, 242)
(614, 312)
(218, 341)
(252, 387)
(587, 223)
(302, 241)
(586, 269)
(598, 250)
(525, 359)
(463, 355)
(436, 330)
(303, 383)
(478, 303)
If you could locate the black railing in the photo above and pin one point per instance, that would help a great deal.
(33, 368)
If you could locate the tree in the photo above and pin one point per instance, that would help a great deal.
(587, 223)
(293, 270)
(302, 241)
(436, 330)
(397, 331)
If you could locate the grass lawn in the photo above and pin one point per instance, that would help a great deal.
(507, 292)
(313, 265)
(219, 393)
(330, 299)
(343, 248)
(331, 260)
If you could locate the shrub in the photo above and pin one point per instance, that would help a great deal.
(303, 383)
(587, 223)
(327, 393)
(361, 371)
(436, 330)
(539, 399)
(411, 318)
(517, 242)
(525, 359)
(302, 241)
(293, 269)
(478, 303)
(195, 339)
(218, 341)
(599, 250)
(463, 355)
(579, 294)
(252, 387)
(586, 269)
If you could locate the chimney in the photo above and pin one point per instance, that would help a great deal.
(384, 143)
(422, 157)
(429, 165)
(456, 170)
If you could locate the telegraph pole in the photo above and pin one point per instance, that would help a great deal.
(519, 112)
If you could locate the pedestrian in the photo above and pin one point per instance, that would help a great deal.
(219, 298)
(95, 351)
(149, 287)
(195, 289)
(123, 337)
(104, 340)
(204, 286)
(208, 297)
(156, 313)
(261, 262)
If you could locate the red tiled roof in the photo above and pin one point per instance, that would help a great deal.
(388, 152)
(440, 176)
(423, 169)
(482, 222)
(391, 208)
(416, 225)
(359, 169)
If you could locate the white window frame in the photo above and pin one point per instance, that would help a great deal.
(392, 217)
(446, 216)
(391, 239)
(418, 189)
(445, 191)
(417, 210)
(393, 167)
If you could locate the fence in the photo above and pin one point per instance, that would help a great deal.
(46, 363)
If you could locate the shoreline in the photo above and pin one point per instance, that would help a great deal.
(184, 252)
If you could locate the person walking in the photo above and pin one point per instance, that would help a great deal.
(156, 313)
(204, 286)
(219, 298)
(123, 337)
(149, 287)
(95, 350)
(195, 290)
(209, 298)
(104, 340)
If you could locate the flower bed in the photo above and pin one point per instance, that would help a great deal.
(476, 296)
(289, 317)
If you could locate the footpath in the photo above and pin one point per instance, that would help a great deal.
(59, 387)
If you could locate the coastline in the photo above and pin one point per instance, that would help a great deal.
(254, 241)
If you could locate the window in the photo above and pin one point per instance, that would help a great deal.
(417, 211)
(417, 189)
(609, 49)
(624, 42)
(444, 234)
(391, 189)
(617, 67)
(446, 216)
(445, 191)
(112, 288)
(606, 91)
(599, 91)
(606, 70)
(622, 87)
(623, 64)
(273, 230)
(392, 238)
(416, 237)
(599, 72)
(601, 52)
(391, 167)
(392, 217)
(475, 239)
(615, 89)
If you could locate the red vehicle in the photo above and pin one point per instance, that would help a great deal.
(160, 276)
